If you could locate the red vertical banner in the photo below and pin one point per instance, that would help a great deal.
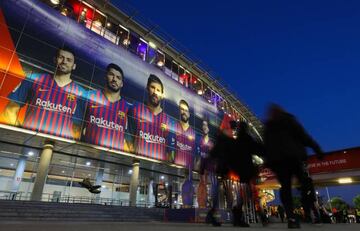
(11, 72)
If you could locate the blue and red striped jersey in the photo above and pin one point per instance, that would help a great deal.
(185, 146)
(152, 132)
(106, 122)
(205, 147)
(51, 109)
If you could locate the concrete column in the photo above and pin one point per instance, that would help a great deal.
(99, 180)
(42, 170)
(134, 182)
(99, 176)
(151, 196)
(20, 168)
(221, 196)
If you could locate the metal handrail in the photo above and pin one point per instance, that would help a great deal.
(48, 197)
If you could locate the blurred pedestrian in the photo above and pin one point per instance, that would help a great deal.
(233, 151)
(281, 213)
(285, 143)
(309, 199)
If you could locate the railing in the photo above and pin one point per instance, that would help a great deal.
(47, 197)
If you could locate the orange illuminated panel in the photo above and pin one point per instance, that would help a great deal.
(11, 72)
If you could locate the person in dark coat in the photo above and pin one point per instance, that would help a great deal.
(281, 213)
(235, 154)
(309, 200)
(240, 159)
(285, 143)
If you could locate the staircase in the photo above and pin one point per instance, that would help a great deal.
(52, 211)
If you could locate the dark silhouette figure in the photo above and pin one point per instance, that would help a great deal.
(235, 154)
(285, 151)
(309, 200)
(281, 213)
(238, 216)
(210, 217)
(88, 185)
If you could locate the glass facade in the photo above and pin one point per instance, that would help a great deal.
(30, 60)
(66, 170)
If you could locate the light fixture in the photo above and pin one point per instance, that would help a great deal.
(108, 24)
(200, 92)
(62, 171)
(130, 172)
(103, 186)
(88, 163)
(126, 42)
(12, 165)
(89, 174)
(152, 45)
(30, 153)
(162, 177)
(346, 180)
(160, 63)
(98, 23)
(166, 184)
(64, 12)
(55, 2)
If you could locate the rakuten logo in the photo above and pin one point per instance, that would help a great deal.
(47, 105)
(150, 138)
(183, 147)
(101, 122)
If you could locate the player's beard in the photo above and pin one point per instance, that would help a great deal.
(63, 71)
(184, 118)
(111, 88)
(154, 100)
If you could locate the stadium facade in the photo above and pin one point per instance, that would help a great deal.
(92, 92)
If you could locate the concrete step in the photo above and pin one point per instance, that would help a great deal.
(50, 211)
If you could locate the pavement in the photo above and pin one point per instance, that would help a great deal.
(156, 226)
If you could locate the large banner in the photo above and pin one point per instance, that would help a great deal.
(60, 78)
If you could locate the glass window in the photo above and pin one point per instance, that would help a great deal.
(110, 31)
(160, 59)
(134, 42)
(220, 103)
(151, 54)
(208, 94)
(183, 76)
(168, 64)
(98, 23)
(80, 11)
(123, 36)
(175, 71)
(216, 99)
(65, 8)
(196, 85)
(142, 48)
